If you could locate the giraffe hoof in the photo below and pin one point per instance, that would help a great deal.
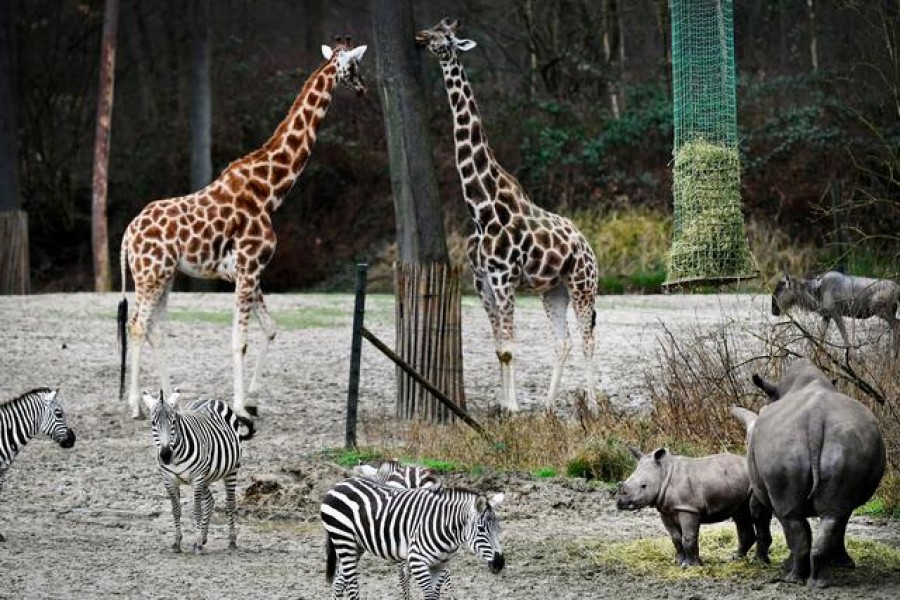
(253, 411)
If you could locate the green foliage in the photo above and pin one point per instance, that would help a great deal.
(350, 458)
(442, 466)
(606, 459)
(545, 473)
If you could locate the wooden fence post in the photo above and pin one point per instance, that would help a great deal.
(359, 310)
(428, 324)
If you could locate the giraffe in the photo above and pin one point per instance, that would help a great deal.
(516, 245)
(224, 231)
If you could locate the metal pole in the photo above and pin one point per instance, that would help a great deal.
(359, 310)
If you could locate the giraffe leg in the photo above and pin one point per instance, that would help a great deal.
(583, 303)
(244, 290)
(268, 327)
(556, 303)
(155, 339)
(506, 303)
(146, 299)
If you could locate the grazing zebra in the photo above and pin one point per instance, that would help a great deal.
(394, 474)
(422, 527)
(22, 418)
(198, 445)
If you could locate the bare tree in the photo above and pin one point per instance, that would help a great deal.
(100, 236)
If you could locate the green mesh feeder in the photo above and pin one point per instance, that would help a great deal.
(709, 244)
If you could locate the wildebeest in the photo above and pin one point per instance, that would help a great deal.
(834, 295)
(690, 491)
(812, 451)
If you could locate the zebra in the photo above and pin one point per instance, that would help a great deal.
(22, 418)
(198, 445)
(394, 474)
(421, 527)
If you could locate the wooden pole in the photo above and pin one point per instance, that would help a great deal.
(359, 310)
(425, 383)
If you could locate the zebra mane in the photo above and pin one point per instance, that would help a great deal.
(25, 396)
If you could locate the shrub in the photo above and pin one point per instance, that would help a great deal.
(606, 459)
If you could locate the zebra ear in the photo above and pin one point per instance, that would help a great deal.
(497, 499)
(481, 504)
(149, 400)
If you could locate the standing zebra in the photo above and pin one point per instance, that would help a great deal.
(423, 527)
(199, 445)
(394, 474)
(22, 418)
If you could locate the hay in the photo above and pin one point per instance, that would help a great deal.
(709, 240)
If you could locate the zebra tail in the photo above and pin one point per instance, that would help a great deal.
(251, 428)
(330, 559)
(123, 342)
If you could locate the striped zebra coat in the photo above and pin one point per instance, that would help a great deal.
(394, 474)
(22, 418)
(421, 527)
(198, 446)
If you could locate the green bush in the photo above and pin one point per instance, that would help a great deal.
(606, 460)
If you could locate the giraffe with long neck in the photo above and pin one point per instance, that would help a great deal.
(516, 244)
(224, 231)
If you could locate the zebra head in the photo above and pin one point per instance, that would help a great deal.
(485, 540)
(164, 419)
(53, 419)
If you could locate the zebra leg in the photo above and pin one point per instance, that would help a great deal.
(422, 572)
(403, 572)
(346, 581)
(444, 586)
(230, 485)
(203, 505)
(3, 471)
(174, 490)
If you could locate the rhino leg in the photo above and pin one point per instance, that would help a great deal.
(799, 537)
(743, 522)
(762, 518)
(690, 538)
(829, 550)
(672, 526)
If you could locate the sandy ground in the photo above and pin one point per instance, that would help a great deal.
(94, 521)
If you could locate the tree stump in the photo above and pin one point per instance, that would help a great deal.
(14, 267)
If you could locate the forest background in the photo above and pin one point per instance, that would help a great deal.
(576, 101)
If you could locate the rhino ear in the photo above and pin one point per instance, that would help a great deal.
(637, 454)
(770, 390)
(659, 454)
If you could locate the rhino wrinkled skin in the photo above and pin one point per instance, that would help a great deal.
(690, 491)
(812, 451)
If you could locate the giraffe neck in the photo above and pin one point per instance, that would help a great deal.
(274, 167)
(480, 174)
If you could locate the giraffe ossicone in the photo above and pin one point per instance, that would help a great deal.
(516, 245)
(224, 231)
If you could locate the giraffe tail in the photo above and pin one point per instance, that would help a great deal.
(123, 314)
(123, 343)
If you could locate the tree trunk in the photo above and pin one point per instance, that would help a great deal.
(420, 224)
(100, 238)
(200, 113)
(426, 288)
(813, 35)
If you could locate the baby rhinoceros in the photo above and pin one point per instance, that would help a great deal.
(690, 491)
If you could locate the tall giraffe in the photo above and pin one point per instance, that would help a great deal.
(516, 245)
(224, 231)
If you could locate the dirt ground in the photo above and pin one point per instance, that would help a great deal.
(94, 521)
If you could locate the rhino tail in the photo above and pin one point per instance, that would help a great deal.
(815, 436)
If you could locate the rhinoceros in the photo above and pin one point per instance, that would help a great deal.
(690, 491)
(812, 451)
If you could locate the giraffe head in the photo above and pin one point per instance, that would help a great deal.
(441, 40)
(346, 58)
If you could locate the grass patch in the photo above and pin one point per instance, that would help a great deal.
(655, 557)
(545, 473)
(350, 458)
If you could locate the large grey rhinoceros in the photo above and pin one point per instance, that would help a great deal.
(812, 451)
(690, 491)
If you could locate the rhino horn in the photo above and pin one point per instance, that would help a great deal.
(747, 417)
(637, 454)
(770, 390)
